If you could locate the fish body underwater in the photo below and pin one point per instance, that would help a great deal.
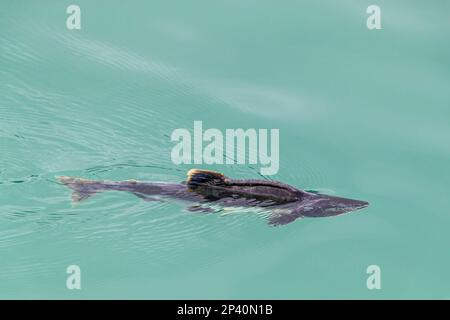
(207, 188)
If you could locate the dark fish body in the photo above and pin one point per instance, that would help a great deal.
(205, 188)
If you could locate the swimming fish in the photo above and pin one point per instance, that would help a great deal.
(207, 188)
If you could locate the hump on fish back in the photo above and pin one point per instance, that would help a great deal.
(198, 177)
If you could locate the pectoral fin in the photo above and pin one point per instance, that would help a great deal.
(199, 208)
(283, 217)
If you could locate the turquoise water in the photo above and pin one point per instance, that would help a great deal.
(362, 114)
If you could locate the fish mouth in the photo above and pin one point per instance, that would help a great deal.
(358, 204)
(344, 205)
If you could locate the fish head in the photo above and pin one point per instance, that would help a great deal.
(318, 205)
(315, 206)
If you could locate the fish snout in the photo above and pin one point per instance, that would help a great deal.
(356, 204)
(325, 206)
(346, 205)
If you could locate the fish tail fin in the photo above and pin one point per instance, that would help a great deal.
(81, 188)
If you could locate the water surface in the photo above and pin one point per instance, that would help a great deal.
(362, 114)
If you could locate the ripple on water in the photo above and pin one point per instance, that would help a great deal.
(52, 132)
(159, 229)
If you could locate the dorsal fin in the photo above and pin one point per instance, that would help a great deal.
(198, 177)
